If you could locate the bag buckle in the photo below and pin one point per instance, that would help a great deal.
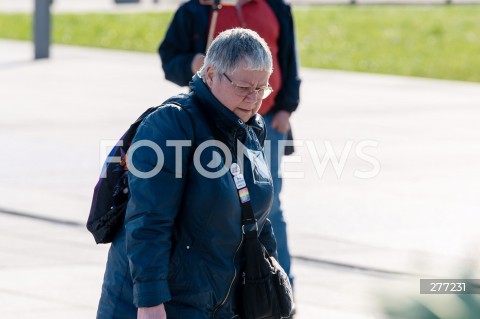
(249, 227)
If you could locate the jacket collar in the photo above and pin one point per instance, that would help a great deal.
(217, 113)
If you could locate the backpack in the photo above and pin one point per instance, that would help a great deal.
(110, 196)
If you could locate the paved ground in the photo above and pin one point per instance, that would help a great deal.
(417, 217)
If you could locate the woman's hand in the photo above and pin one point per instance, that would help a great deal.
(157, 312)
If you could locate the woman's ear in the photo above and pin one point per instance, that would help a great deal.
(209, 74)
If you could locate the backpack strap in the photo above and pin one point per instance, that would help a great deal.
(175, 101)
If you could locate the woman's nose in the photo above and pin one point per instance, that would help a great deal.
(252, 97)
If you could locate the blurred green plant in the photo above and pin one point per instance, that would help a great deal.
(426, 41)
(433, 307)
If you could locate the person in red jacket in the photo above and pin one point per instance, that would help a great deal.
(182, 53)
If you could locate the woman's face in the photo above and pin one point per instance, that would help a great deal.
(228, 93)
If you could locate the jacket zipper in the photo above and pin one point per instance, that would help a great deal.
(235, 142)
(231, 283)
(238, 248)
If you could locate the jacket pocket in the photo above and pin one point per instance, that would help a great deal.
(189, 284)
(176, 261)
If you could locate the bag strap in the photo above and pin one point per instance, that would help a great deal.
(249, 223)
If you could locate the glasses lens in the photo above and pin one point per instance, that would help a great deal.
(243, 91)
(266, 92)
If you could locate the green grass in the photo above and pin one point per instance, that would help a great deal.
(133, 32)
(426, 41)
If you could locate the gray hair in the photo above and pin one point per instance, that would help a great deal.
(231, 47)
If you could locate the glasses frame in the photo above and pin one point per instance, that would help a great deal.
(267, 90)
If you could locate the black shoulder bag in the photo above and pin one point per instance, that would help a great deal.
(266, 292)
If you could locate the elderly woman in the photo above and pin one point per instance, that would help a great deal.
(180, 254)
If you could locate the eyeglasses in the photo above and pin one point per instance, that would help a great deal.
(244, 91)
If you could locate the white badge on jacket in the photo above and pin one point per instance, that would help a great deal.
(260, 171)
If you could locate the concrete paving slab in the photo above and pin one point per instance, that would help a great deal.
(427, 146)
(69, 284)
(64, 275)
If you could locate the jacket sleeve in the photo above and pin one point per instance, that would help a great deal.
(288, 97)
(267, 238)
(155, 200)
(182, 41)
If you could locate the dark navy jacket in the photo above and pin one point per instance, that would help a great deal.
(187, 36)
(182, 239)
